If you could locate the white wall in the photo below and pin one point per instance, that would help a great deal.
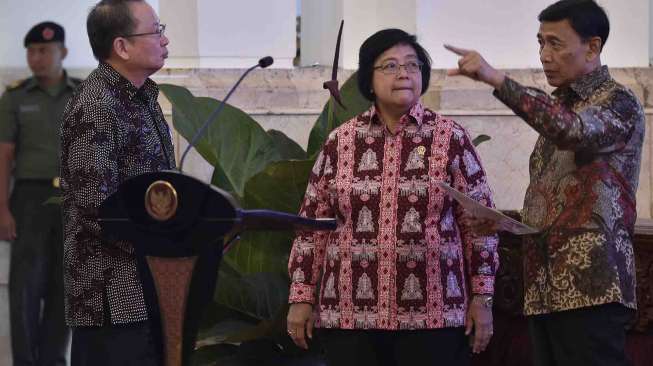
(365, 17)
(18, 16)
(238, 33)
(491, 27)
(321, 19)
(203, 33)
(228, 33)
(504, 31)
(650, 38)
(629, 33)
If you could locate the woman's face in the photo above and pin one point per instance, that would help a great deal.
(400, 90)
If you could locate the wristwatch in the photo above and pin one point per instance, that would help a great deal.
(485, 300)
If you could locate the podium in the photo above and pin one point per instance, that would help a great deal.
(177, 225)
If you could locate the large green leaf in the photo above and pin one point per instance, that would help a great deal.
(234, 331)
(258, 295)
(227, 331)
(234, 141)
(217, 313)
(186, 118)
(287, 147)
(280, 186)
(219, 179)
(242, 307)
(261, 251)
(333, 115)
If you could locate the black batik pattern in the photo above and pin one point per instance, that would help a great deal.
(111, 131)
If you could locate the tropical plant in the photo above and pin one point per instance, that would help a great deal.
(261, 169)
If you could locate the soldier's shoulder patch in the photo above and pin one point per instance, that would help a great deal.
(16, 84)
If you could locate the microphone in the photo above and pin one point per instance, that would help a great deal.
(265, 62)
(262, 63)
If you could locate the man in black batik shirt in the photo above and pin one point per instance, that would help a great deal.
(113, 129)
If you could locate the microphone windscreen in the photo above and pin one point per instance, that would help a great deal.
(265, 61)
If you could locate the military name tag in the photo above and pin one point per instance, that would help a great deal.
(29, 108)
(161, 200)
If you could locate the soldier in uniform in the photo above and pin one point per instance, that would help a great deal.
(30, 112)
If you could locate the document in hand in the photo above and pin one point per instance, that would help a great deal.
(477, 210)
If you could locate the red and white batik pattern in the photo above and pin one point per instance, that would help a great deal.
(401, 258)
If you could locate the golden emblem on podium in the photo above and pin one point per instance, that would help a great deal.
(161, 200)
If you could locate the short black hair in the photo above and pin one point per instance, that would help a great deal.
(378, 43)
(107, 20)
(586, 17)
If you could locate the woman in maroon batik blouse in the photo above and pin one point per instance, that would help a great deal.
(403, 281)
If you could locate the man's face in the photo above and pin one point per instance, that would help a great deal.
(564, 55)
(147, 53)
(45, 59)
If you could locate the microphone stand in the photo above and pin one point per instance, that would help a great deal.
(263, 63)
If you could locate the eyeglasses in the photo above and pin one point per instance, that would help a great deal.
(159, 32)
(393, 67)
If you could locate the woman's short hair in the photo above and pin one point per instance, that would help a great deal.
(107, 20)
(380, 42)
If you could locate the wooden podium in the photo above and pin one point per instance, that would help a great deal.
(176, 225)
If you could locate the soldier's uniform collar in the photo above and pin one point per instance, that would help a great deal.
(33, 83)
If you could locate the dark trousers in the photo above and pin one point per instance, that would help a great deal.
(114, 344)
(437, 347)
(592, 336)
(39, 335)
